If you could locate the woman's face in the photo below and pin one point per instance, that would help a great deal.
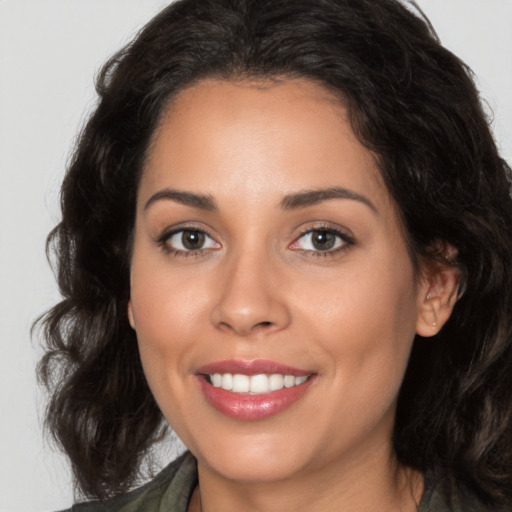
(268, 256)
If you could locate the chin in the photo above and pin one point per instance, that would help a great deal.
(263, 458)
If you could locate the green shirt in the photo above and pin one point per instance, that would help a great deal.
(171, 490)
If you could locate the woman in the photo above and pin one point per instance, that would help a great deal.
(286, 231)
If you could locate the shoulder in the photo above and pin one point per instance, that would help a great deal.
(169, 490)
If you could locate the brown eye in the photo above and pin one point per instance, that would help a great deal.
(318, 241)
(323, 240)
(190, 240)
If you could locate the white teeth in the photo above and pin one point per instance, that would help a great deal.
(275, 382)
(255, 384)
(240, 383)
(227, 382)
(259, 384)
(217, 380)
(301, 379)
(289, 381)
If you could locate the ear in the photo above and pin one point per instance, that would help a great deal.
(437, 292)
(130, 315)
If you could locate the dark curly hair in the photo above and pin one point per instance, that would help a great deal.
(414, 104)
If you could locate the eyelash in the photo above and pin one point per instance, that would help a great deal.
(346, 242)
(163, 242)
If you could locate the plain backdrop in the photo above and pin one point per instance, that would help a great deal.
(49, 53)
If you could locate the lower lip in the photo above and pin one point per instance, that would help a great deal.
(252, 407)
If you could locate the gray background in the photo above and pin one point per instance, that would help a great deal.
(49, 52)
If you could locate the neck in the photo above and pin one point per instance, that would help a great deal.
(379, 483)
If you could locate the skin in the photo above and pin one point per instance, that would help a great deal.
(259, 289)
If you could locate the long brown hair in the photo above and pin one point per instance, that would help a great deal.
(415, 105)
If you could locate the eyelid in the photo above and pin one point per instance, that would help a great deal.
(163, 238)
(344, 235)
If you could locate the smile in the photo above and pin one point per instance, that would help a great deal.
(255, 384)
(252, 390)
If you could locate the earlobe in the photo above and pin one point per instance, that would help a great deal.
(438, 295)
(130, 315)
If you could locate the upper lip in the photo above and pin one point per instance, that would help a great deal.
(254, 367)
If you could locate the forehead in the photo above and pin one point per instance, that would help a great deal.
(238, 137)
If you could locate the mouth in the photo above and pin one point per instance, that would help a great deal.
(259, 384)
(253, 390)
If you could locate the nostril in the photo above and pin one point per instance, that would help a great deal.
(246, 329)
(264, 324)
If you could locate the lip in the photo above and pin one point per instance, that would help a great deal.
(252, 407)
(254, 367)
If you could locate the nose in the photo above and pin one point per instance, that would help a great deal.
(251, 297)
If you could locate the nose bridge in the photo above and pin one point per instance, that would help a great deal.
(249, 298)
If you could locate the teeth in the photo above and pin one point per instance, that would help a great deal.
(275, 382)
(216, 380)
(259, 384)
(301, 379)
(240, 383)
(255, 384)
(289, 381)
(227, 381)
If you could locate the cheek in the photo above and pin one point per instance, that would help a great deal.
(165, 308)
(163, 298)
(366, 323)
(376, 297)
(165, 313)
(166, 328)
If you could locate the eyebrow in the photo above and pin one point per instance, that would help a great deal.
(312, 197)
(290, 202)
(203, 202)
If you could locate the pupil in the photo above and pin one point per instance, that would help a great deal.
(192, 240)
(323, 240)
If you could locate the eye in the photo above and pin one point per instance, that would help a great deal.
(189, 240)
(321, 240)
